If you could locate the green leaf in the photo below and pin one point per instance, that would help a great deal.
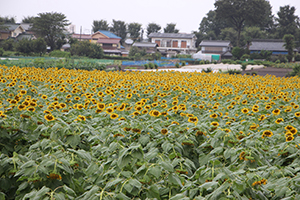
(123, 161)
(167, 166)
(59, 196)
(179, 197)
(144, 139)
(174, 179)
(69, 191)
(151, 154)
(113, 182)
(153, 192)
(73, 140)
(156, 171)
(204, 159)
(135, 183)
(2, 196)
(166, 146)
(122, 196)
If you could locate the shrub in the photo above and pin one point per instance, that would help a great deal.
(207, 70)
(253, 73)
(151, 65)
(227, 61)
(155, 66)
(182, 63)
(238, 52)
(233, 71)
(296, 70)
(244, 66)
(177, 65)
(245, 56)
(297, 57)
(1, 51)
(146, 66)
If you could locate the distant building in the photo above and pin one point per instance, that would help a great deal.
(10, 30)
(148, 46)
(276, 46)
(170, 44)
(71, 28)
(221, 47)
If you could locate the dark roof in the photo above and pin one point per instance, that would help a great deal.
(25, 35)
(109, 34)
(215, 43)
(10, 27)
(269, 45)
(172, 35)
(108, 40)
(26, 26)
(144, 44)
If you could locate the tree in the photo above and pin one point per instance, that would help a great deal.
(251, 33)
(134, 30)
(39, 46)
(211, 24)
(170, 28)
(119, 28)
(85, 48)
(153, 28)
(289, 45)
(8, 45)
(229, 34)
(51, 27)
(100, 25)
(8, 20)
(28, 19)
(288, 22)
(238, 13)
(24, 46)
(237, 52)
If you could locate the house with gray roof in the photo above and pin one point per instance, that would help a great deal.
(170, 44)
(148, 46)
(10, 30)
(221, 47)
(276, 46)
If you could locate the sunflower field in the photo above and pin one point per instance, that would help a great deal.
(76, 134)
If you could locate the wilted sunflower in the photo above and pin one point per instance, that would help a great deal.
(164, 131)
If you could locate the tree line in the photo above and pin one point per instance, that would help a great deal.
(239, 21)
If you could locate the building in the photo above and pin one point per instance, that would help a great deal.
(276, 46)
(148, 46)
(170, 44)
(10, 30)
(215, 46)
(109, 42)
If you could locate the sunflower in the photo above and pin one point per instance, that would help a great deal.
(21, 107)
(81, 118)
(255, 110)
(31, 109)
(155, 113)
(164, 131)
(213, 115)
(49, 117)
(289, 138)
(245, 110)
(297, 114)
(267, 133)
(136, 113)
(279, 120)
(109, 110)
(114, 116)
(276, 111)
(193, 119)
(214, 124)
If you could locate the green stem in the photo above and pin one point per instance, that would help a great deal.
(123, 185)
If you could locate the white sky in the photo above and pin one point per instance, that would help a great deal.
(187, 14)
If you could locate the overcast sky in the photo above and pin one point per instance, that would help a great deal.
(187, 14)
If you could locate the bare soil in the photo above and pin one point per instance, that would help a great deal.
(279, 72)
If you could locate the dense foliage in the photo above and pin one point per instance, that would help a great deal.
(76, 134)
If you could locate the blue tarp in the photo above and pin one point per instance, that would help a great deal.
(160, 63)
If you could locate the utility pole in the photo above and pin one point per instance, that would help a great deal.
(80, 33)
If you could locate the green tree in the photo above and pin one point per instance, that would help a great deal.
(8, 20)
(251, 33)
(134, 30)
(100, 25)
(119, 28)
(288, 22)
(210, 24)
(28, 19)
(238, 13)
(51, 27)
(170, 28)
(24, 46)
(87, 49)
(289, 45)
(229, 34)
(153, 28)
(8, 45)
(238, 52)
(39, 46)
